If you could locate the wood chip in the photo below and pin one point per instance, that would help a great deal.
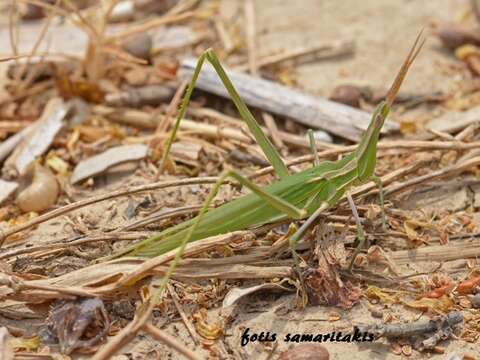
(6, 351)
(186, 152)
(141, 96)
(455, 121)
(99, 163)
(173, 37)
(237, 293)
(7, 146)
(452, 251)
(6, 189)
(40, 139)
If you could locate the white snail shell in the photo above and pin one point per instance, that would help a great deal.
(42, 192)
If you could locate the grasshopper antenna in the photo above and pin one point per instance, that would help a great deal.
(417, 46)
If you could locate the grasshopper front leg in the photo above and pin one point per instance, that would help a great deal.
(269, 150)
(295, 237)
(360, 232)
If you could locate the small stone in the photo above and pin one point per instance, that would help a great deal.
(347, 94)
(306, 352)
(139, 46)
(453, 36)
(31, 12)
(476, 301)
(376, 312)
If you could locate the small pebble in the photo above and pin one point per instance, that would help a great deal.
(453, 36)
(347, 94)
(306, 352)
(31, 12)
(139, 46)
(476, 301)
(376, 312)
(322, 136)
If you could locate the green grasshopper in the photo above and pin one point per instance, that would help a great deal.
(304, 195)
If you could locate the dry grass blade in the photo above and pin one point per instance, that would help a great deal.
(21, 69)
(161, 127)
(137, 29)
(447, 171)
(186, 321)
(453, 251)
(168, 340)
(114, 236)
(109, 277)
(79, 204)
(249, 13)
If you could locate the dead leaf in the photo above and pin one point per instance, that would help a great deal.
(7, 188)
(17, 220)
(442, 304)
(412, 228)
(79, 325)
(22, 344)
(41, 137)
(99, 163)
(325, 287)
(207, 330)
(92, 133)
(69, 88)
(439, 292)
(381, 295)
(235, 294)
(408, 127)
(468, 286)
(57, 163)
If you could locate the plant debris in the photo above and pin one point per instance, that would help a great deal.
(77, 325)
(7, 188)
(99, 163)
(424, 334)
(88, 101)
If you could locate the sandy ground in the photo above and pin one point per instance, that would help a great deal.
(383, 32)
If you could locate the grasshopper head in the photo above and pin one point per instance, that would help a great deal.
(382, 113)
(366, 151)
